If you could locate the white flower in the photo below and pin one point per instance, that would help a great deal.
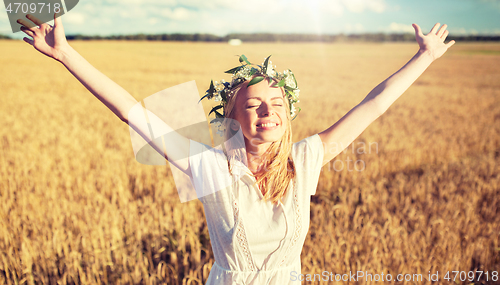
(292, 110)
(217, 97)
(270, 70)
(289, 81)
(220, 87)
(296, 93)
(244, 72)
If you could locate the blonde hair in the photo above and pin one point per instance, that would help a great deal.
(277, 168)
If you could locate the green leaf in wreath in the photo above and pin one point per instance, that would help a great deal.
(206, 95)
(214, 109)
(296, 114)
(223, 95)
(211, 90)
(255, 80)
(280, 84)
(218, 115)
(293, 75)
(266, 63)
(253, 71)
(243, 58)
(234, 70)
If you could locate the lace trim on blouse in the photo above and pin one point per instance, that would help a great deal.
(241, 235)
(298, 224)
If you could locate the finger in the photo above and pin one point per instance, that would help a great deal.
(58, 26)
(448, 45)
(34, 20)
(30, 41)
(435, 28)
(28, 31)
(418, 31)
(24, 23)
(445, 34)
(57, 18)
(442, 30)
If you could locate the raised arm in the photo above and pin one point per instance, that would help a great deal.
(51, 41)
(352, 124)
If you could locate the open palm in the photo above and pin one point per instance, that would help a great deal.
(433, 42)
(45, 38)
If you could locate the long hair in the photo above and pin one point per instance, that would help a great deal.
(277, 167)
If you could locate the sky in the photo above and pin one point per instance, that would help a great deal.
(220, 17)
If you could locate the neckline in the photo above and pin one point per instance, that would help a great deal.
(247, 172)
(254, 186)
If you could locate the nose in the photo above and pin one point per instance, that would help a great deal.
(266, 110)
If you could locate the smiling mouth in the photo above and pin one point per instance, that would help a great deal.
(267, 126)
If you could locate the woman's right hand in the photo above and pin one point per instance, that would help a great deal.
(49, 40)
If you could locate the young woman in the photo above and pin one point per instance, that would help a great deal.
(259, 222)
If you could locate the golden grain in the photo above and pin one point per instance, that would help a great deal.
(78, 209)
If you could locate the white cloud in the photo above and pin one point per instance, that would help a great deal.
(334, 8)
(359, 6)
(220, 4)
(75, 18)
(153, 21)
(401, 28)
(142, 2)
(337, 7)
(179, 13)
(221, 16)
(4, 19)
(124, 14)
(5, 30)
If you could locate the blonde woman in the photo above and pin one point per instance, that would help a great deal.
(259, 223)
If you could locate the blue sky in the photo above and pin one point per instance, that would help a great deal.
(220, 17)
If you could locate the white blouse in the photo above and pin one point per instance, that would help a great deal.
(255, 242)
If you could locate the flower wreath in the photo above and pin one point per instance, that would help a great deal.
(222, 91)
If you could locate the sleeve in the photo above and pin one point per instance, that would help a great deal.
(308, 159)
(209, 170)
(196, 151)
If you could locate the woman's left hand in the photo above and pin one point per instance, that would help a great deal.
(433, 42)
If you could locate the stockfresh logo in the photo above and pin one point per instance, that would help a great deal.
(44, 10)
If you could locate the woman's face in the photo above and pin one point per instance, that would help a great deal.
(261, 111)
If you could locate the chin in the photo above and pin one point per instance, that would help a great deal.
(270, 137)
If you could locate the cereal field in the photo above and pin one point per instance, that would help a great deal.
(417, 192)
